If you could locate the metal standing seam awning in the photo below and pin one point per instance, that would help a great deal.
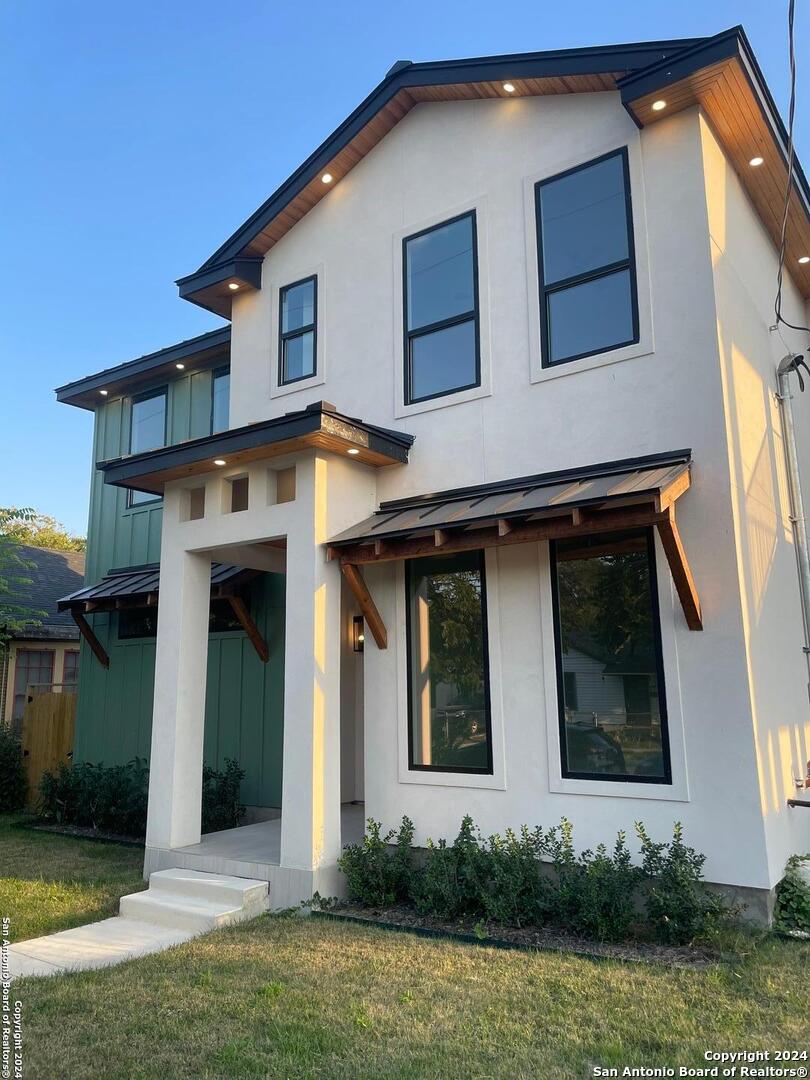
(631, 493)
(133, 587)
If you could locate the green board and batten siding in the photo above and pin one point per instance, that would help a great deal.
(244, 698)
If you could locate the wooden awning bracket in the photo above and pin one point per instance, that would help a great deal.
(242, 613)
(679, 568)
(365, 602)
(86, 631)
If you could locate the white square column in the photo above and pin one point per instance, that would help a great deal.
(178, 719)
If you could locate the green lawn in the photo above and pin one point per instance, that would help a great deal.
(293, 997)
(50, 882)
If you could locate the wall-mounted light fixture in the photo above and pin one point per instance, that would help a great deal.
(358, 633)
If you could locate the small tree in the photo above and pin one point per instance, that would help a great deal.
(39, 530)
(14, 616)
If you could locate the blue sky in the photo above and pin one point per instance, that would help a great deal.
(135, 137)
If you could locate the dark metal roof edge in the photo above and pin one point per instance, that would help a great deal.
(211, 339)
(146, 569)
(555, 62)
(289, 425)
(647, 461)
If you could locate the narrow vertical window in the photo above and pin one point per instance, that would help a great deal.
(298, 331)
(220, 400)
(588, 301)
(441, 310)
(448, 691)
(610, 679)
(147, 432)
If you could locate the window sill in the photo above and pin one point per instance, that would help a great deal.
(474, 393)
(485, 781)
(281, 389)
(674, 792)
(589, 363)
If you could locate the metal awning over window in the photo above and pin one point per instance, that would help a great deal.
(138, 588)
(610, 496)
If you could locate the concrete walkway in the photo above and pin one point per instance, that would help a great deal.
(97, 945)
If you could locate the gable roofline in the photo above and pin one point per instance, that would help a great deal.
(404, 74)
(204, 348)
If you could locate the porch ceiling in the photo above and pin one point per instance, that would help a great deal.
(319, 426)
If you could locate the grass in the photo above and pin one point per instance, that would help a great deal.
(50, 882)
(294, 997)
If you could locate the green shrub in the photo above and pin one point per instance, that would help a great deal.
(594, 892)
(221, 808)
(678, 904)
(114, 798)
(374, 874)
(13, 781)
(792, 913)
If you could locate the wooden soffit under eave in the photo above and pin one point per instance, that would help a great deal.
(733, 107)
(390, 115)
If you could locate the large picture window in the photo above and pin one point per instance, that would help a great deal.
(588, 300)
(448, 691)
(441, 310)
(610, 678)
(298, 331)
(147, 432)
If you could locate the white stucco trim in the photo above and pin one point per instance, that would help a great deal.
(479, 205)
(645, 344)
(278, 389)
(678, 790)
(496, 780)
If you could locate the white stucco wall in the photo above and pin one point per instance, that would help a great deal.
(665, 393)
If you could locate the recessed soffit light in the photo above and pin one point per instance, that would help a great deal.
(233, 285)
(804, 259)
(657, 106)
(755, 162)
(220, 461)
(509, 87)
(327, 178)
(353, 451)
(180, 367)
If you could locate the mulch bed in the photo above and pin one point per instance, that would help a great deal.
(84, 833)
(551, 939)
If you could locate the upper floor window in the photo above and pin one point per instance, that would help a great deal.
(297, 330)
(220, 400)
(441, 310)
(588, 300)
(147, 432)
(610, 679)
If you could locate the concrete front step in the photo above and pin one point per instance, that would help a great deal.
(195, 901)
(210, 888)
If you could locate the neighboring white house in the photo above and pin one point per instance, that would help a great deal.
(546, 283)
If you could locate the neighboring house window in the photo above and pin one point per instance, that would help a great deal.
(588, 300)
(147, 432)
(33, 667)
(70, 668)
(608, 641)
(297, 330)
(441, 310)
(220, 400)
(448, 678)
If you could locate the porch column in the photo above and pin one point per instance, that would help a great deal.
(178, 718)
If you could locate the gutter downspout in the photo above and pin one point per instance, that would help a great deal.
(798, 521)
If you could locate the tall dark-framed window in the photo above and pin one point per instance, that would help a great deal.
(607, 632)
(220, 400)
(441, 321)
(141, 622)
(147, 431)
(297, 332)
(449, 725)
(586, 257)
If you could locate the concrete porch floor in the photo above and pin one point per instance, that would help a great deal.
(250, 851)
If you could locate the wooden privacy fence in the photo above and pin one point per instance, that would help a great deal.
(49, 720)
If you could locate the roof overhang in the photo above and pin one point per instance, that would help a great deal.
(722, 77)
(206, 350)
(608, 497)
(215, 287)
(319, 426)
(138, 586)
(711, 72)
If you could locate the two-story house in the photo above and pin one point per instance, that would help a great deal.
(538, 558)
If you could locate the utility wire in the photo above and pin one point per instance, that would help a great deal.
(789, 185)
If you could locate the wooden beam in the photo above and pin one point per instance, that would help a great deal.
(440, 538)
(504, 527)
(679, 566)
(366, 603)
(667, 496)
(240, 610)
(560, 528)
(87, 633)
